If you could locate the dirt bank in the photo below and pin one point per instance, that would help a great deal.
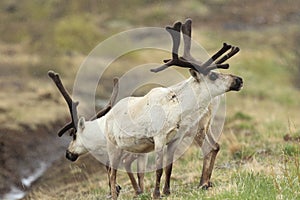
(26, 152)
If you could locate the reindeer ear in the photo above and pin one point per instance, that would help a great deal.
(194, 74)
(81, 123)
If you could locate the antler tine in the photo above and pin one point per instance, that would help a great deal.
(65, 128)
(218, 64)
(71, 104)
(175, 34)
(234, 50)
(225, 48)
(186, 29)
(111, 102)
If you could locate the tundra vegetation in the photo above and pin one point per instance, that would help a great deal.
(259, 156)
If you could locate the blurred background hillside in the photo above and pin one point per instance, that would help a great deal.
(262, 126)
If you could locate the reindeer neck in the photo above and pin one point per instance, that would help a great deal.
(191, 95)
(95, 131)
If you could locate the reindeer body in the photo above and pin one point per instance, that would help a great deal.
(132, 127)
(134, 124)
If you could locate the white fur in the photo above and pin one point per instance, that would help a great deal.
(162, 115)
(90, 138)
(132, 126)
(144, 124)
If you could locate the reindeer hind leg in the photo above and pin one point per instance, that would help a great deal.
(128, 162)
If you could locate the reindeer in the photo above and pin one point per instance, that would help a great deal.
(204, 136)
(93, 140)
(135, 125)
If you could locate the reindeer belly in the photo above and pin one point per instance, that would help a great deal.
(135, 145)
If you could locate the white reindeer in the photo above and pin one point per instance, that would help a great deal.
(164, 115)
(202, 132)
(93, 140)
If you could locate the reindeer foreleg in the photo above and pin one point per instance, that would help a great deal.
(159, 171)
(118, 187)
(159, 149)
(208, 165)
(114, 159)
(168, 169)
(141, 167)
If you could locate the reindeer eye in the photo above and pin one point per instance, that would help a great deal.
(213, 76)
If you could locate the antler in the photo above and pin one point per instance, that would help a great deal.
(175, 34)
(71, 104)
(111, 102)
(187, 60)
(187, 35)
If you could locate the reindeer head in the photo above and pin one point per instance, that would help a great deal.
(217, 83)
(87, 138)
(77, 125)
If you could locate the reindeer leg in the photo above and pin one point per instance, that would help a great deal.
(159, 171)
(204, 181)
(118, 187)
(115, 158)
(128, 162)
(141, 167)
(108, 169)
(113, 177)
(212, 163)
(159, 143)
(168, 169)
(208, 165)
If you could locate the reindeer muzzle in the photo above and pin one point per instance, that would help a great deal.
(71, 156)
(236, 84)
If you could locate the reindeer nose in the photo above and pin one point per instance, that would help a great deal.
(71, 156)
(236, 84)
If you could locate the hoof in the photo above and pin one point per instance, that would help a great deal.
(166, 192)
(139, 192)
(156, 195)
(118, 189)
(206, 186)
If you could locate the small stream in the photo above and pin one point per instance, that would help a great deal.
(25, 156)
(16, 193)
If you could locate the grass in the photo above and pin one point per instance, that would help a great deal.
(259, 157)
